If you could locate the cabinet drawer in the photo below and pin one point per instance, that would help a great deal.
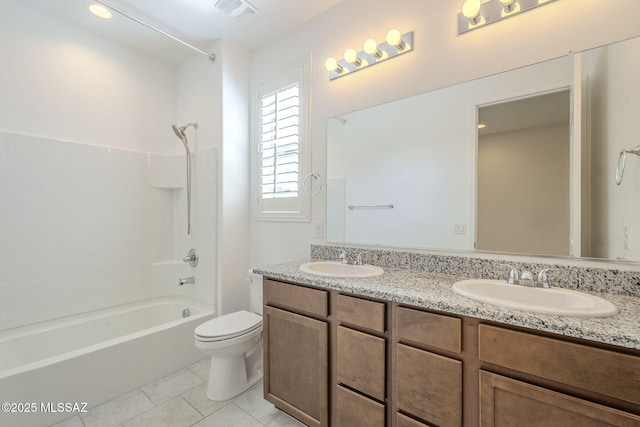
(505, 402)
(354, 409)
(429, 386)
(298, 298)
(361, 312)
(361, 362)
(594, 369)
(436, 330)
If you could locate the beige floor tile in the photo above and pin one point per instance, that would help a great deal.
(118, 410)
(197, 397)
(201, 368)
(166, 388)
(229, 416)
(174, 413)
(252, 401)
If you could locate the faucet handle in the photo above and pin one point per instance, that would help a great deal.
(345, 257)
(513, 274)
(359, 257)
(543, 280)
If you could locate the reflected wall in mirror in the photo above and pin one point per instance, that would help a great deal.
(523, 175)
(421, 154)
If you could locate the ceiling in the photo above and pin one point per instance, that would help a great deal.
(197, 22)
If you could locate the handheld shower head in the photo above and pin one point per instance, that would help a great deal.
(179, 131)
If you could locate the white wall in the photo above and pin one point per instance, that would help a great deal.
(441, 58)
(215, 94)
(62, 82)
(613, 75)
(233, 237)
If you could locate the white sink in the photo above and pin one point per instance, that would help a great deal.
(338, 269)
(559, 301)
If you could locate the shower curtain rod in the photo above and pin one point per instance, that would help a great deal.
(211, 56)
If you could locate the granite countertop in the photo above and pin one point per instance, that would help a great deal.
(433, 291)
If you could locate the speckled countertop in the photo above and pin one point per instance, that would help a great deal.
(433, 291)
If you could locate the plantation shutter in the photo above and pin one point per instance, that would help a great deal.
(279, 146)
(281, 161)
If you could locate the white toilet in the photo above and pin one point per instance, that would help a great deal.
(234, 342)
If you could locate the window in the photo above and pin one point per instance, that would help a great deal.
(282, 146)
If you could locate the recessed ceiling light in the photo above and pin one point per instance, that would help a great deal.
(481, 125)
(100, 11)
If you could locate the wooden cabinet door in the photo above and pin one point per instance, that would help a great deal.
(505, 402)
(429, 386)
(296, 365)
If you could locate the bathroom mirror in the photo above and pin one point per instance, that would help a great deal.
(406, 173)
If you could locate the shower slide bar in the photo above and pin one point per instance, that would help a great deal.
(211, 56)
(622, 155)
(389, 206)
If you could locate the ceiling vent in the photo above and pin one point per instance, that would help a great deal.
(240, 10)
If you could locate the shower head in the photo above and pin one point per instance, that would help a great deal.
(179, 131)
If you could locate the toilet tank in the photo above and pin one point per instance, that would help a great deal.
(255, 292)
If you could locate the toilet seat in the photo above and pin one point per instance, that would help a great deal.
(228, 326)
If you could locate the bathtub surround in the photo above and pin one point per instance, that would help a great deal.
(82, 227)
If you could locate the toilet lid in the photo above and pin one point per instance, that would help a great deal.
(228, 326)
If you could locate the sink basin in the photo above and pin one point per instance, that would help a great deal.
(338, 269)
(559, 301)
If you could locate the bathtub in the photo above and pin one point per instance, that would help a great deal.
(53, 370)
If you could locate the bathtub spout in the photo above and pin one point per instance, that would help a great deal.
(188, 281)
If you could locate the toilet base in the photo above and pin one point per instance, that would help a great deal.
(230, 376)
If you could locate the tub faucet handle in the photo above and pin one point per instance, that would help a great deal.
(191, 258)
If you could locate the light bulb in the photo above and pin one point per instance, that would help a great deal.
(394, 38)
(508, 5)
(100, 11)
(351, 57)
(471, 10)
(332, 65)
(371, 47)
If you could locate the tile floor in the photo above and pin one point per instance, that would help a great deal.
(180, 399)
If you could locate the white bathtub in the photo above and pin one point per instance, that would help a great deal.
(93, 357)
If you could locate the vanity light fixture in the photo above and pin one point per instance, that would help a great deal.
(373, 52)
(476, 13)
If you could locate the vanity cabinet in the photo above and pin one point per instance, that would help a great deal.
(337, 359)
(548, 380)
(296, 355)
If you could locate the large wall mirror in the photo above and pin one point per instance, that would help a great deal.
(521, 162)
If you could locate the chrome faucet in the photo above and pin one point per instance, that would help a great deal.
(348, 259)
(345, 258)
(191, 258)
(187, 281)
(526, 278)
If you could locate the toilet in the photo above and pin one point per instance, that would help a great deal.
(234, 342)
